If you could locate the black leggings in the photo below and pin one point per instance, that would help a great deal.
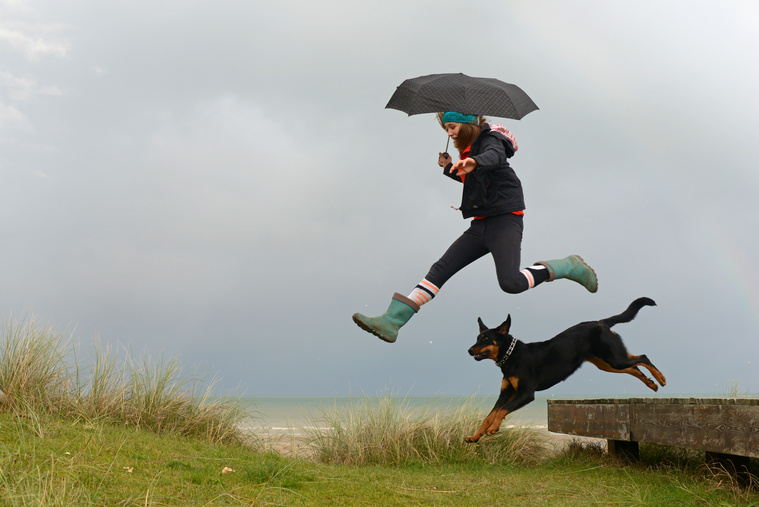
(501, 236)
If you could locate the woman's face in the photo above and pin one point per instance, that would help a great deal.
(452, 128)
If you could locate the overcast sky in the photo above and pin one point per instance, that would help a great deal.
(220, 180)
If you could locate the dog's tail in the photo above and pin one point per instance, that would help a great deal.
(630, 313)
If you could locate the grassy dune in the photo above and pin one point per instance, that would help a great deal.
(386, 431)
(119, 431)
(41, 375)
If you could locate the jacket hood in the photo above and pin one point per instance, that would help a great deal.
(506, 135)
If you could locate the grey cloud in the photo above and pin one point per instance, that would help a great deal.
(221, 181)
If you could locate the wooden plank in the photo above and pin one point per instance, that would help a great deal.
(716, 425)
(723, 428)
(600, 420)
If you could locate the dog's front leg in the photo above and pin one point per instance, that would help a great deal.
(485, 425)
(496, 415)
(520, 396)
(519, 399)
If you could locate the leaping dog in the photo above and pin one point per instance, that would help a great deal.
(530, 367)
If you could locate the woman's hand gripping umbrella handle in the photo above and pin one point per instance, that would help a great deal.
(444, 158)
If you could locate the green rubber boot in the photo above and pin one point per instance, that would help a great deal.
(386, 326)
(572, 268)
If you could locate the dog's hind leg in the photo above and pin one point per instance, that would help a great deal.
(631, 370)
(643, 360)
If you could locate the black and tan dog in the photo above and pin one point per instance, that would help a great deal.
(530, 367)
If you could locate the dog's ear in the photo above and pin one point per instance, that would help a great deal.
(483, 327)
(504, 329)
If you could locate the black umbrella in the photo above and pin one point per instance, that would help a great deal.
(458, 92)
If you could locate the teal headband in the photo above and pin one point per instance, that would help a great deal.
(452, 116)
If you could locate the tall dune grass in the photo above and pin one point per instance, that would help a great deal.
(32, 365)
(386, 431)
(38, 376)
(733, 389)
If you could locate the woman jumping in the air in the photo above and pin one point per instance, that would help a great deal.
(493, 197)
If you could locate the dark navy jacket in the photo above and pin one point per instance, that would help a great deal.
(493, 188)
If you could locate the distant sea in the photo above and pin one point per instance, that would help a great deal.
(290, 414)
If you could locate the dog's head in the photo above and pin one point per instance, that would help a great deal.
(490, 341)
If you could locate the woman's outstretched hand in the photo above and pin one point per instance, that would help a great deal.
(463, 167)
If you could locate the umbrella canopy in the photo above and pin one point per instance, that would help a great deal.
(461, 93)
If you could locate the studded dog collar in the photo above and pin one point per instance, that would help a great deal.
(508, 353)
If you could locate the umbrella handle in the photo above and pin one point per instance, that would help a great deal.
(445, 153)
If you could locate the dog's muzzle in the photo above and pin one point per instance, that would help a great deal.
(478, 356)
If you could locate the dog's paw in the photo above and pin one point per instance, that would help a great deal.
(471, 440)
(492, 430)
